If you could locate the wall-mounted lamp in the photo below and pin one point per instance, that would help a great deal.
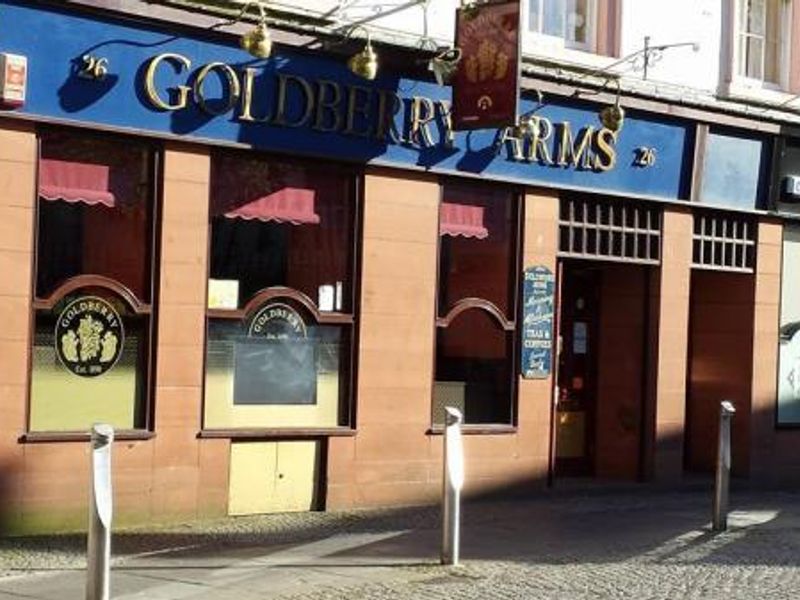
(612, 117)
(528, 123)
(445, 64)
(257, 42)
(364, 63)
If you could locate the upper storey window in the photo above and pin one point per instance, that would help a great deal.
(569, 21)
(761, 48)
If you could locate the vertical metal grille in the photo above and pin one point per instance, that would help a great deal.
(613, 230)
(724, 242)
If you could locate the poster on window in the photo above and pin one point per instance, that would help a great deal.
(537, 322)
(276, 362)
(89, 336)
(486, 84)
(789, 340)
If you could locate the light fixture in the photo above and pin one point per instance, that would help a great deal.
(445, 64)
(364, 63)
(257, 42)
(612, 117)
(527, 123)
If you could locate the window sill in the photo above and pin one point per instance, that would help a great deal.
(38, 437)
(477, 430)
(751, 90)
(282, 432)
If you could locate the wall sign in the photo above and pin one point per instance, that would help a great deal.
(537, 322)
(197, 88)
(89, 336)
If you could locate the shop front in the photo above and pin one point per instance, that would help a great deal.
(270, 276)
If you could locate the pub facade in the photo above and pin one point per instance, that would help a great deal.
(270, 276)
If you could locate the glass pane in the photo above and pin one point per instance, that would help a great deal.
(732, 171)
(77, 237)
(754, 57)
(262, 381)
(756, 16)
(789, 345)
(577, 21)
(473, 265)
(277, 224)
(64, 401)
(474, 370)
(535, 16)
(553, 21)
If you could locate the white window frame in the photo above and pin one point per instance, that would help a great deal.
(744, 81)
(547, 42)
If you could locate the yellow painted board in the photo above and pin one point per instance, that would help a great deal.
(269, 477)
(252, 477)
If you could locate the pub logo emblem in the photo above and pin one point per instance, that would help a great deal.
(89, 336)
(277, 321)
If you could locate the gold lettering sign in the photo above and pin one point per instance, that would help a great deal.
(180, 63)
(354, 110)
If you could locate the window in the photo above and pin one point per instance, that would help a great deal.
(94, 292)
(761, 40)
(569, 20)
(788, 410)
(734, 170)
(477, 304)
(280, 294)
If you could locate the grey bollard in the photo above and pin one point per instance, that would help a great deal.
(721, 484)
(453, 481)
(100, 510)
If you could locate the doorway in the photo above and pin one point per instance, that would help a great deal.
(601, 379)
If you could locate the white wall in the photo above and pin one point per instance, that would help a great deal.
(672, 22)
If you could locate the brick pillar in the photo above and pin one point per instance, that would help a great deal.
(17, 204)
(535, 395)
(765, 347)
(181, 331)
(390, 460)
(669, 345)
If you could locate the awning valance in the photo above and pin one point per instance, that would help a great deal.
(293, 205)
(462, 220)
(75, 182)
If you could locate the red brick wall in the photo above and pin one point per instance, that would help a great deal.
(393, 460)
(720, 368)
(620, 371)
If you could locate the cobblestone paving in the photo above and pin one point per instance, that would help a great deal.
(640, 545)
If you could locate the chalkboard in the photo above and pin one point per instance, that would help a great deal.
(272, 371)
(537, 323)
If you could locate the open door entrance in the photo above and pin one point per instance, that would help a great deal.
(602, 369)
(577, 371)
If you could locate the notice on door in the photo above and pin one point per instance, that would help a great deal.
(537, 322)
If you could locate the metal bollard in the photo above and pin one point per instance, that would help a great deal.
(720, 517)
(100, 511)
(453, 482)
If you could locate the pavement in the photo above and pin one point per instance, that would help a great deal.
(635, 542)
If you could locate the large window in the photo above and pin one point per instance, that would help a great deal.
(572, 21)
(788, 412)
(93, 293)
(761, 40)
(477, 304)
(280, 296)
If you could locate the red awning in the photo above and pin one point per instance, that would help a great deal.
(287, 205)
(75, 182)
(463, 220)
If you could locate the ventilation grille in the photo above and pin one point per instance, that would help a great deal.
(609, 230)
(724, 243)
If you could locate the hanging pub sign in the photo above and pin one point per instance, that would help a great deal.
(89, 336)
(537, 322)
(276, 363)
(486, 84)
